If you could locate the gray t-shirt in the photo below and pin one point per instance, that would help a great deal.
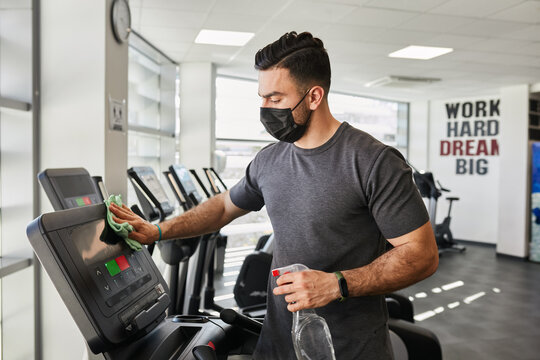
(331, 208)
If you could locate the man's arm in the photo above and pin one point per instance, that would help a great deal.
(413, 258)
(207, 217)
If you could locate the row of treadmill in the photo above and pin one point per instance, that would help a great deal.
(119, 298)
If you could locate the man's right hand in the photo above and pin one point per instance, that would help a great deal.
(144, 232)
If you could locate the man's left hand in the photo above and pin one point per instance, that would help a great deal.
(307, 289)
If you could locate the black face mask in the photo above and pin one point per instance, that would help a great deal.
(280, 123)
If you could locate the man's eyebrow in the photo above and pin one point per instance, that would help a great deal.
(273, 93)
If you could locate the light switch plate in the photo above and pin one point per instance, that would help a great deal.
(117, 114)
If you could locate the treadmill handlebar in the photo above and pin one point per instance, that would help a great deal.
(232, 317)
(135, 208)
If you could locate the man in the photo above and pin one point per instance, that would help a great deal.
(334, 196)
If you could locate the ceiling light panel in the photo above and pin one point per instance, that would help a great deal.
(226, 38)
(420, 52)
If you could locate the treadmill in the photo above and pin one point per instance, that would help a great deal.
(250, 290)
(74, 187)
(157, 206)
(215, 188)
(116, 295)
(181, 182)
(186, 193)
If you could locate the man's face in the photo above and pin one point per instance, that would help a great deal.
(278, 90)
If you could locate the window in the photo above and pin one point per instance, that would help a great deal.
(152, 111)
(387, 121)
(240, 136)
(16, 181)
(237, 110)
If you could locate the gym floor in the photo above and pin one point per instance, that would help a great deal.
(480, 306)
(498, 305)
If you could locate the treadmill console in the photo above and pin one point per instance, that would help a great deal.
(149, 190)
(69, 188)
(112, 292)
(217, 186)
(183, 179)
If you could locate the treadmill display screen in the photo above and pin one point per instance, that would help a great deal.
(154, 186)
(90, 247)
(185, 178)
(76, 191)
(116, 272)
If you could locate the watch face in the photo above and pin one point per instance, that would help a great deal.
(121, 20)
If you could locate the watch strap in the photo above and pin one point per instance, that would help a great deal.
(343, 289)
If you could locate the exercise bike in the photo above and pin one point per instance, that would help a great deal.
(428, 189)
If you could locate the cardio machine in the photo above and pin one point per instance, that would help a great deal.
(149, 189)
(153, 199)
(117, 296)
(250, 289)
(74, 187)
(428, 189)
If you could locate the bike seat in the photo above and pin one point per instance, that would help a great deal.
(452, 198)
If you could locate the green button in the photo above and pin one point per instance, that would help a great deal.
(80, 201)
(113, 267)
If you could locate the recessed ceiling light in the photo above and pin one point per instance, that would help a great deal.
(228, 38)
(420, 52)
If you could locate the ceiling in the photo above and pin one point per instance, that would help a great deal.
(496, 42)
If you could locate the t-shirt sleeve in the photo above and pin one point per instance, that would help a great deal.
(393, 198)
(246, 194)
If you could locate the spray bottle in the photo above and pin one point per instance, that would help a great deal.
(310, 333)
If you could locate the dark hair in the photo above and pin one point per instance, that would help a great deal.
(303, 55)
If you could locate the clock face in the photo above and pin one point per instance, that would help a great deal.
(121, 20)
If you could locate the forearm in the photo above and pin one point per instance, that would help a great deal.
(207, 217)
(398, 268)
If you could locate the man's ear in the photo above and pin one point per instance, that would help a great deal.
(316, 96)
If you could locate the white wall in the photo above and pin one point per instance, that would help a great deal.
(474, 216)
(513, 234)
(81, 69)
(197, 114)
(493, 206)
(418, 134)
(73, 79)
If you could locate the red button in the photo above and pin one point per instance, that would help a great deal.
(87, 201)
(122, 263)
(211, 344)
(275, 273)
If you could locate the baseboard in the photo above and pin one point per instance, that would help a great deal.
(512, 257)
(475, 243)
(493, 246)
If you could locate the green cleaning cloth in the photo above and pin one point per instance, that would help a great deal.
(121, 230)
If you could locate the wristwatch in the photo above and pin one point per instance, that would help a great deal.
(343, 289)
